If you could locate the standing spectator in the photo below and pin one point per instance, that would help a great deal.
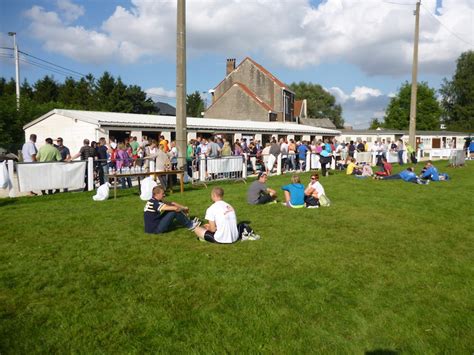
(352, 149)
(302, 150)
(284, 154)
(400, 150)
(253, 156)
(46, 153)
(164, 143)
(123, 163)
(325, 158)
(63, 150)
(222, 226)
(190, 158)
(102, 160)
(213, 149)
(85, 153)
(226, 150)
(135, 147)
(274, 152)
(65, 154)
(29, 150)
(291, 155)
(411, 153)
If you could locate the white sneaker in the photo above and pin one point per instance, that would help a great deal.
(195, 225)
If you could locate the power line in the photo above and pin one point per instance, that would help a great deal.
(56, 65)
(45, 67)
(398, 3)
(446, 27)
(6, 48)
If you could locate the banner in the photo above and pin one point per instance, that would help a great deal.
(49, 176)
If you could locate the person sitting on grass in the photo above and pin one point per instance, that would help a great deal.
(259, 193)
(313, 192)
(430, 172)
(159, 215)
(353, 168)
(222, 221)
(294, 193)
(407, 175)
(387, 168)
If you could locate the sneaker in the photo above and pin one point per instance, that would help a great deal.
(195, 219)
(312, 207)
(253, 236)
(195, 225)
(272, 202)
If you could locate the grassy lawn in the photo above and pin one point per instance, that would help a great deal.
(389, 266)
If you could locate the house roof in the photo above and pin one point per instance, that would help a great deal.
(166, 109)
(130, 120)
(318, 122)
(250, 93)
(263, 70)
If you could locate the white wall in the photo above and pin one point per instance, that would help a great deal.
(72, 131)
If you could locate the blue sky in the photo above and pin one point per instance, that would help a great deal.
(359, 50)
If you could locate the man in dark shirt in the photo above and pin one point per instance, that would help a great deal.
(102, 160)
(158, 215)
(85, 153)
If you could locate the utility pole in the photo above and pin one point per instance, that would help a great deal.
(414, 82)
(17, 69)
(181, 129)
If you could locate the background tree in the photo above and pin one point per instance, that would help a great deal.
(458, 95)
(375, 123)
(428, 111)
(321, 104)
(194, 104)
(107, 94)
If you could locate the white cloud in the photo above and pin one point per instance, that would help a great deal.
(376, 36)
(69, 10)
(160, 92)
(362, 104)
(363, 93)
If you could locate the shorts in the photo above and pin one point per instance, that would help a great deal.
(209, 237)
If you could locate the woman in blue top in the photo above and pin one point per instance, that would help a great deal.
(294, 193)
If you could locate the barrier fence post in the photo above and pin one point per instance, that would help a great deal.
(333, 162)
(152, 165)
(202, 167)
(90, 174)
(11, 170)
(308, 161)
(244, 167)
(279, 164)
(418, 155)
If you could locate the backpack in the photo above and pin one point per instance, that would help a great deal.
(246, 232)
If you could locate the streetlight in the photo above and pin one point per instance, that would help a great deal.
(17, 69)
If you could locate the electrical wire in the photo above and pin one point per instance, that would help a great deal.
(56, 65)
(38, 65)
(446, 27)
(398, 3)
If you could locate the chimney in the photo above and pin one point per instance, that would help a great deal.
(230, 66)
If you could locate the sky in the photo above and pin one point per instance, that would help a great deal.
(359, 50)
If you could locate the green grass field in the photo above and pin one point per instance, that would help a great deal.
(388, 267)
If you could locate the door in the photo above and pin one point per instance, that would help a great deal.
(418, 141)
(436, 143)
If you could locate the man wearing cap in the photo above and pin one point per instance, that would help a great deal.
(259, 193)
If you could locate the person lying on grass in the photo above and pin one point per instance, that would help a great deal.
(294, 193)
(407, 175)
(159, 215)
(313, 192)
(429, 172)
(222, 221)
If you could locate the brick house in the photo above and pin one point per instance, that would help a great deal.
(251, 92)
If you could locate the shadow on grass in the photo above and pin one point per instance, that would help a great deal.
(382, 352)
(7, 201)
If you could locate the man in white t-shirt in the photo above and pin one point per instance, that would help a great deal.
(29, 150)
(222, 226)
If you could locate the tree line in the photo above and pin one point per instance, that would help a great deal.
(454, 108)
(103, 94)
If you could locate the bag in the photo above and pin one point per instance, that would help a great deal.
(324, 201)
(147, 188)
(246, 232)
(102, 192)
